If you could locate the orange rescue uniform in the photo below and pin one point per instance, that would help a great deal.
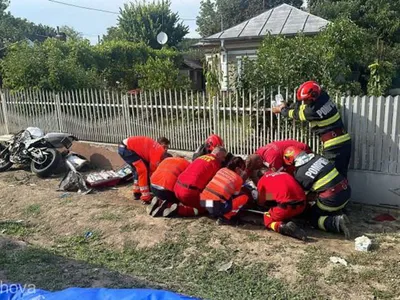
(221, 197)
(164, 178)
(149, 154)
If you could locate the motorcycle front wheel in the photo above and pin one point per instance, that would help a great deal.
(5, 162)
(50, 163)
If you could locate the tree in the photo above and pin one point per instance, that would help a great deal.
(16, 29)
(336, 58)
(159, 73)
(214, 13)
(71, 33)
(141, 22)
(52, 65)
(378, 16)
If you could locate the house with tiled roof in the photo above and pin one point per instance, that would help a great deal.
(243, 40)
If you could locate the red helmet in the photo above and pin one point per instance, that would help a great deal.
(290, 154)
(214, 141)
(309, 90)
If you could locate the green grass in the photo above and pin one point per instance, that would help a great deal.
(17, 229)
(108, 216)
(196, 274)
(32, 210)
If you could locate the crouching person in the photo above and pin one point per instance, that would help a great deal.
(211, 143)
(192, 182)
(316, 174)
(143, 154)
(163, 181)
(222, 197)
(291, 202)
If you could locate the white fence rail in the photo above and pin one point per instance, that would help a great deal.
(244, 120)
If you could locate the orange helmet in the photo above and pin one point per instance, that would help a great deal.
(309, 90)
(214, 141)
(290, 154)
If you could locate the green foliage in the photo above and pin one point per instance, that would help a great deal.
(57, 65)
(14, 29)
(119, 62)
(379, 17)
(213, 76)
(381, 77)
(159, 73)
(232, 12)
(141, 22)
(71, 33)
(335, 58)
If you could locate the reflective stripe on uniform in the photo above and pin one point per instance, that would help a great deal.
(301, 112)
(210, 203)
(326, 179)
(338, 140)
(321, 222)
(330, 208)
(291, 112)
(326, 122)
(273, 226)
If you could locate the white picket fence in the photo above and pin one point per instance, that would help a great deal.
(244, 120)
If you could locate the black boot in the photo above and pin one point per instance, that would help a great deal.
(291, 229)
(136, 196)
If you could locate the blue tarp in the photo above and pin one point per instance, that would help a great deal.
(18, 292)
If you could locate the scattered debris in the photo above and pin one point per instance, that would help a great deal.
(384, 217)
(225, 267)
(363, 244)
(338, 260)
(32, 184)
(88, 234)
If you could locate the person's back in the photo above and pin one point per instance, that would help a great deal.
(223, 185)
(281, 187)
(272, 153)
(318, 175)
(168, 171)
(199, 173)
(148, 149)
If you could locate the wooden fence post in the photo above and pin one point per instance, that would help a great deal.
(59, 114)
(215, 115)
(4, 106)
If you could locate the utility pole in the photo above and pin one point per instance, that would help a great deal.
(222, 23)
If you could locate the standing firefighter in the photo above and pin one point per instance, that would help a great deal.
(291, 201)
(143, 154)
(210, 144)
(316, 174)
(163, 182)
(325, 119)
(222, 197)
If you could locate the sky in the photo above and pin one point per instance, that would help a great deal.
(91, 23)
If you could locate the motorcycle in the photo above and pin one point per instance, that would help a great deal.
(32, 146)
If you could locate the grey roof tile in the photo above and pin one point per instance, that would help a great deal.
(284, 19)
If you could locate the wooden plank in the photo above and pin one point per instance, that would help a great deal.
(362, 164)
(249, 133)
(204, 116)
(271, 115)
(356, 128)
(349, 118)
(371, 132)
(237, 135)
(189, 124)
(379, 134)
(386, 134)
(258, 142)
(243, 135)
(177, 125)
(394, 137)
(224, 125)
